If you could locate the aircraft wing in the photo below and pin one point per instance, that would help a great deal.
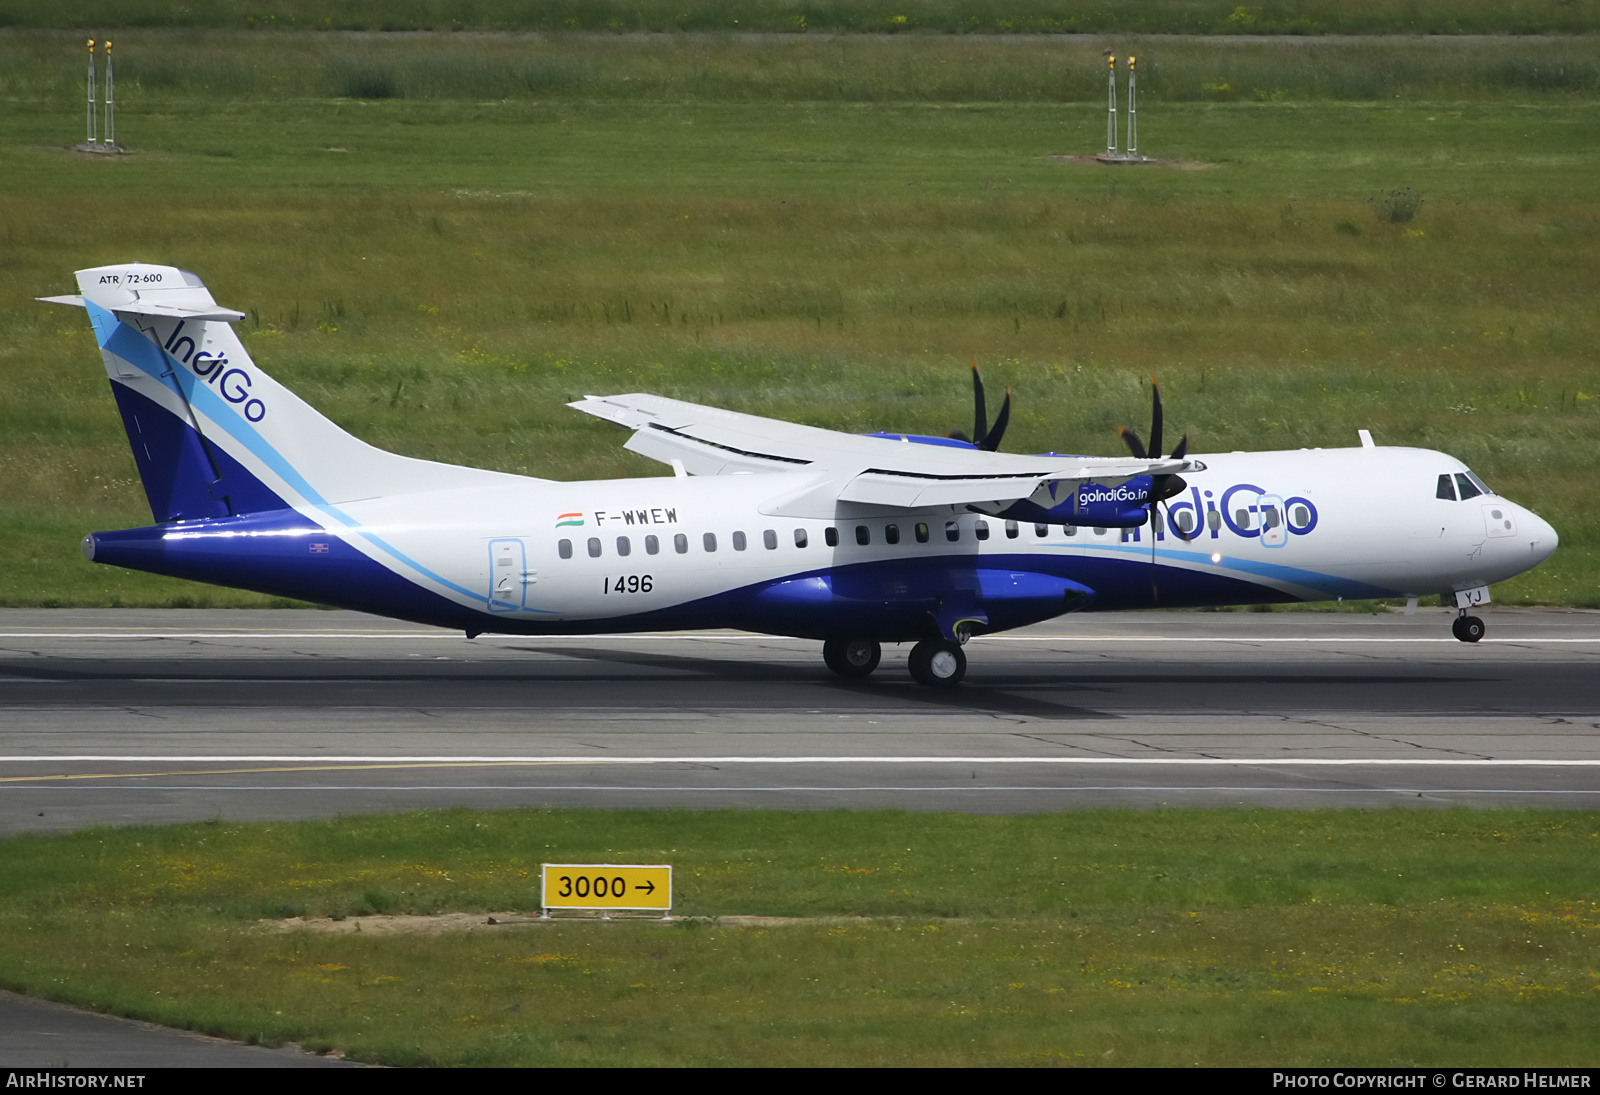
(851, 467)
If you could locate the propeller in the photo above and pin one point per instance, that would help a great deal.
(984, 436)
(1162, 487)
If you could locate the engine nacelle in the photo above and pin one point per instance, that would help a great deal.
(1091, 504)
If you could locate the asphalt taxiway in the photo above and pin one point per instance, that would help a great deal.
(114, 717)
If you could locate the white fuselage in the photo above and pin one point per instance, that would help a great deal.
(1295, 525)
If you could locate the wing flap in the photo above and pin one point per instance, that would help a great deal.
(911, 492)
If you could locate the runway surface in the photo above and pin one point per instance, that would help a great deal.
(113, 717)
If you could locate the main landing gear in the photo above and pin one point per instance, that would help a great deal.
(851, 657)
(936, 663)
(1469, 629)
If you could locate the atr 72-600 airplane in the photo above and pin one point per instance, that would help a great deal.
(766, 526)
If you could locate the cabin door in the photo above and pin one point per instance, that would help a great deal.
(509, 576)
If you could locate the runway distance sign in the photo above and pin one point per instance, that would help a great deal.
(607, 886)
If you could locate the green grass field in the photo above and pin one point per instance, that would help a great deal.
(1299, 17)
(1242, 938)
(442, 267)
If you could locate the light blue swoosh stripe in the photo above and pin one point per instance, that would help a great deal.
(1311, 579)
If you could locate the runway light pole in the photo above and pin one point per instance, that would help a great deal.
(1111, 95)
(91, 140)
(1133, 118)
(1131, 154)
(105, 140)
(111, 118)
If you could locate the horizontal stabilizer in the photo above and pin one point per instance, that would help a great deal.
(156, 308)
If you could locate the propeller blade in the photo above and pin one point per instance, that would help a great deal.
(1155, 417)
(1162, 487)
(992, 442)
(980, 413)
(1135, 446)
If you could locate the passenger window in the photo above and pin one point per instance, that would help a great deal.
(738, 541)
(1241, 517)
(594, 547)
(770, 538)
(1011, 530)
(564, 549)
(623, 547)
(1447, 489)
(1070, 530)
(1213, 520)
(1302, 517)
(652, 546)
(1269, 516)
(952, 531)
(982, 529)
(710, 541)
(800, 539)
(831, 536)
(1183, 522)
(1469, 489)
(1041, 531)
(863, 535)
(891, 534)
(680, 544)
(922, 533)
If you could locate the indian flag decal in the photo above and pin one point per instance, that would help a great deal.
(569, 519)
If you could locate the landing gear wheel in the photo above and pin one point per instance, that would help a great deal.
(851, 657)
(1469, 629)
(937, 663)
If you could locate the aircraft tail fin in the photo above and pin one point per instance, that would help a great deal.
(212, 434)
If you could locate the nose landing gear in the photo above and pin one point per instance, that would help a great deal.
(1469, 629)
(937, 663)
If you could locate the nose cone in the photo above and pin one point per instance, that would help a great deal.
(1538, 535)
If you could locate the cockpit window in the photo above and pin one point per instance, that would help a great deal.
(1469, 489)
(1470, 486)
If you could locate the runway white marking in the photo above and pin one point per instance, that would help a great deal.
(1280, 762)
(834, 789)
(346, 636)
